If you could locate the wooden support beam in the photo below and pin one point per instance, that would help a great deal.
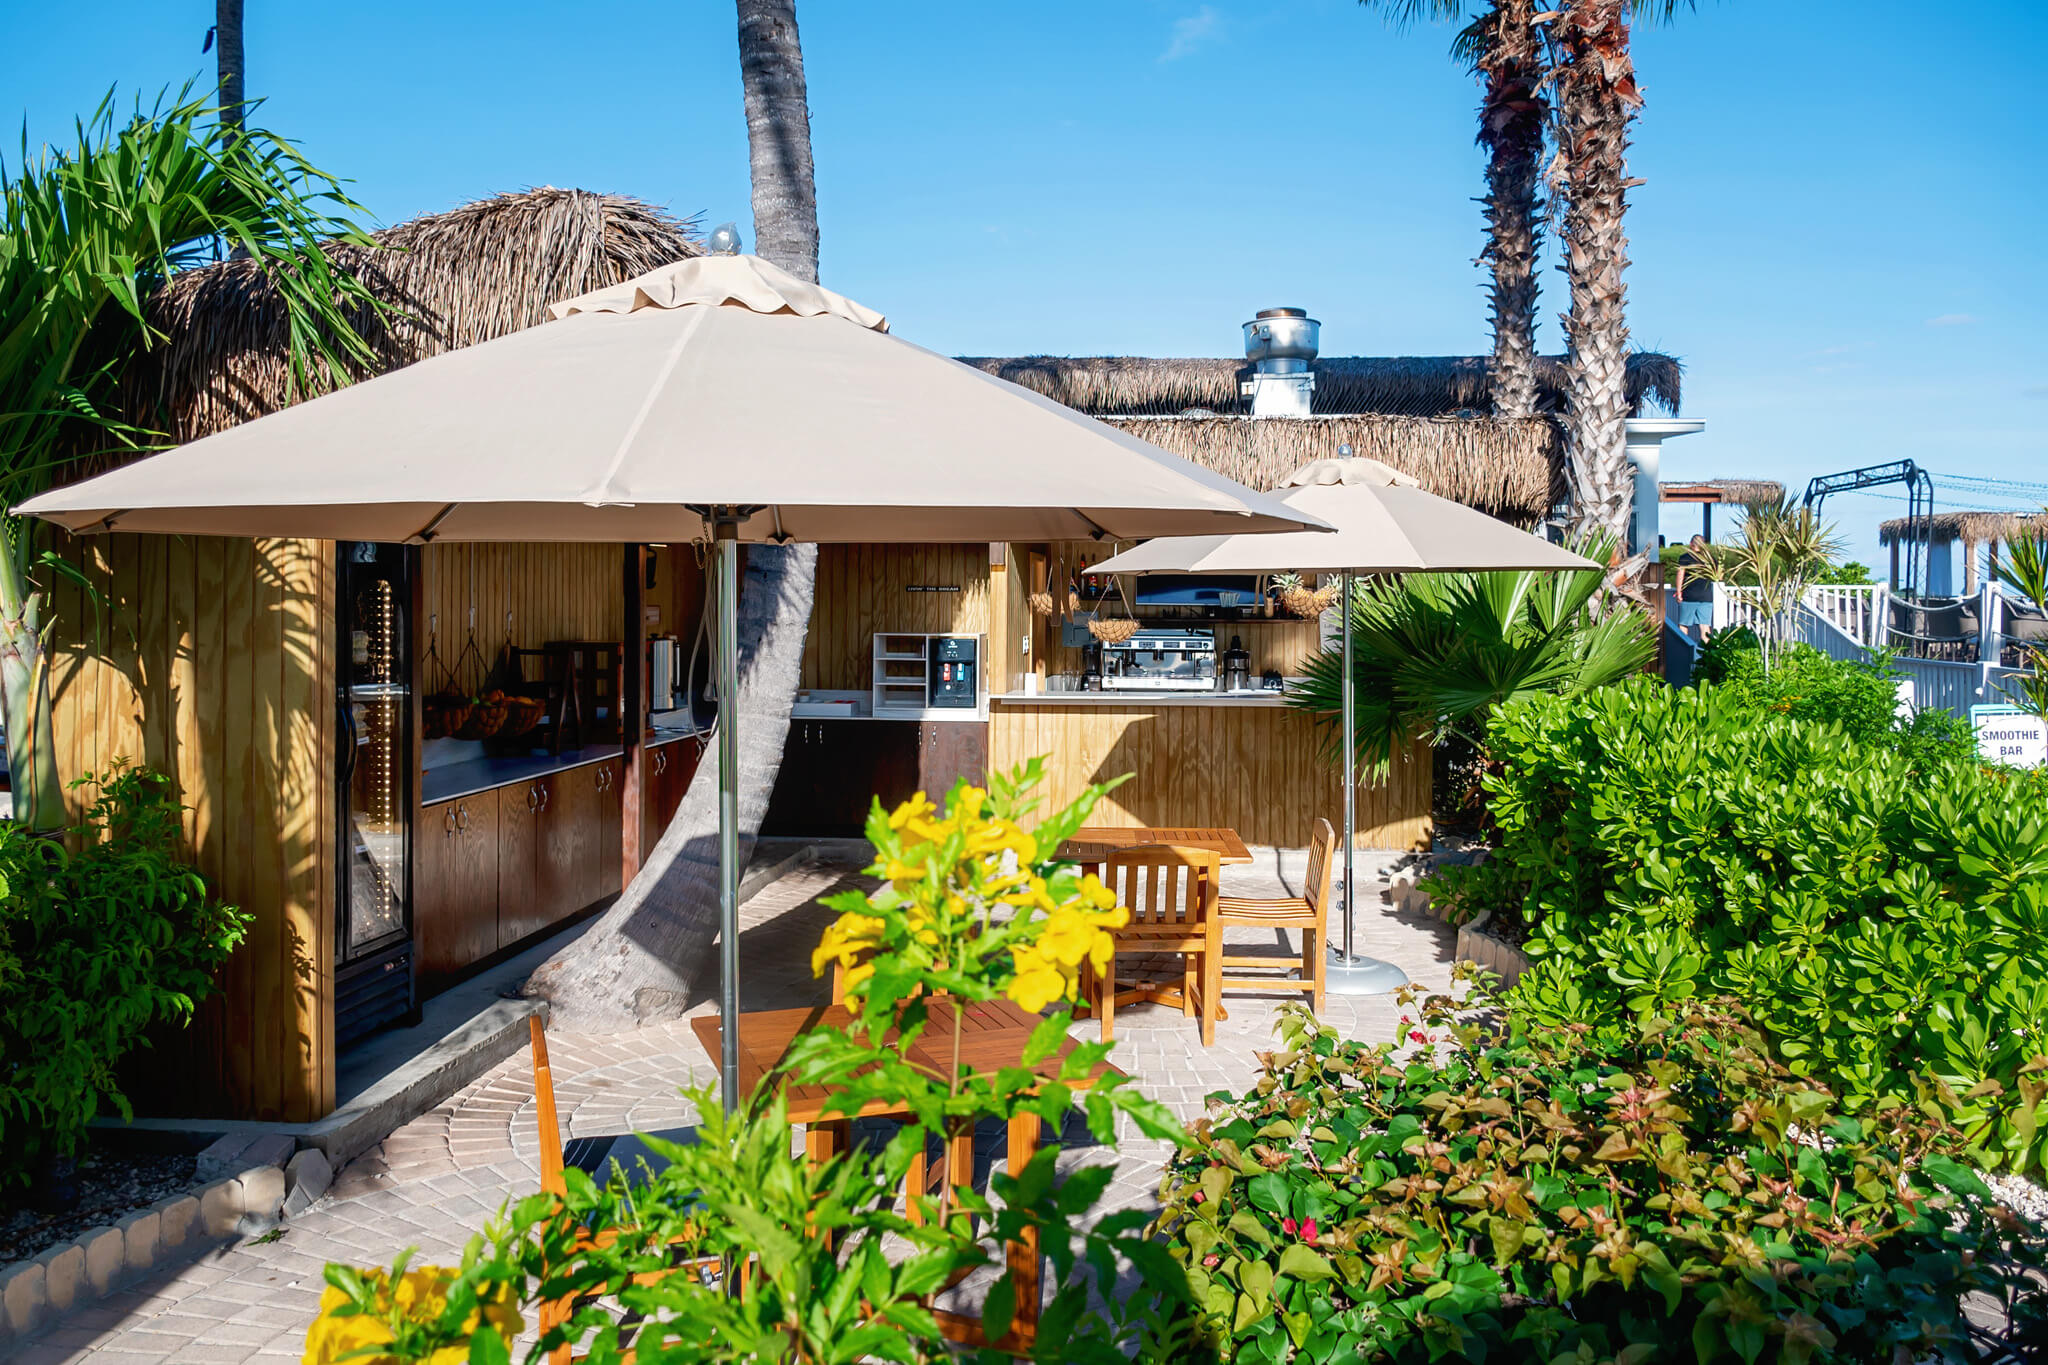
(633, 713)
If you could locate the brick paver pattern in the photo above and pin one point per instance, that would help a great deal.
(438, 1179)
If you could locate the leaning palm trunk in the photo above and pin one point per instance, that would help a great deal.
(1596, 101)
(1511, 121)
(25, 699)
(227, 36)
(641, 960)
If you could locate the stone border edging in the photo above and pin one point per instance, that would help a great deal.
(1502, 959)
(36, 1294)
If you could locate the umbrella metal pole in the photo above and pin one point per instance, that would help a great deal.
(726, 562)
(1348, 973)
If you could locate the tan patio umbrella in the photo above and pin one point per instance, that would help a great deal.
(717, 397)
(1382, 523)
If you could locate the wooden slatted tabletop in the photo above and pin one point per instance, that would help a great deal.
(993, 1036)
(1102, 840)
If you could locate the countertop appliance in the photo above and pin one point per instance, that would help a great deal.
(951, 679)
(1237, 667)
(1161, 661)
(1271, 681)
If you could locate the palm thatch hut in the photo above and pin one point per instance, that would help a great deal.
(1975, 531)
(220, 663)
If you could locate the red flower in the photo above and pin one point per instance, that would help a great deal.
(1417, 1036)
(1198, 1196)
(1288, 1226)
(1308, 1229)
(1210, 1262)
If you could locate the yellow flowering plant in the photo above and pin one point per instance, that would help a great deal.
(432, 1314)
(973, 907)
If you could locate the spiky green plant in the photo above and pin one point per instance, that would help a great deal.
(90, 233)
(2024, 569)
(1777, 551)
(1434, 654)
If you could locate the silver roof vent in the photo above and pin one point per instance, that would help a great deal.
(1281, 343)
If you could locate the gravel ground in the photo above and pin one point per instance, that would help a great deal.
(111, 1185)
(2023, 1196)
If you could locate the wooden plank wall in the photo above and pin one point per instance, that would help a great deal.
(1262, 770)
(211, 660)
(863, 589)
(527, 594)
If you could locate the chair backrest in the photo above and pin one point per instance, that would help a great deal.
(545, 1119)
(1165, 886)
(1322, 849)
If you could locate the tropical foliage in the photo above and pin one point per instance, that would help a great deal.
(97, 947)
(90, 234)
(2024, 569)
(1434, 654)
(1652, 1191)
(1862, 699)
(1882, 915)
(1777, 551)
(838, 1264)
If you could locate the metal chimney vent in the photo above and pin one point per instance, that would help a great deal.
(1281, 343)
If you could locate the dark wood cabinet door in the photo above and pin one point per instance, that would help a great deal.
(949, 750)
(793, 804)
(519, 817)
(574, 821)
(609, 872)
(556, 837)
(455, 915)
(669, 770)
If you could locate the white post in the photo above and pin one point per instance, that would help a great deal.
(1345, 972)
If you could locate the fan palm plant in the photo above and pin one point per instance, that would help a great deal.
(89, 235)
(1434, 654)
(2024, 569)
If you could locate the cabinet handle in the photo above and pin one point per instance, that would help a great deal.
(661, 760)
(461, 815)
(448, 818)
(547, 794)
(533, 798)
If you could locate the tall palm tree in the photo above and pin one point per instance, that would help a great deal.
(227, 39)
(89, 235)
(643, 958)
(1593, 80)
(1502, 46)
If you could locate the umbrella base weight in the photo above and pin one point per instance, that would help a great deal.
(1347, 975)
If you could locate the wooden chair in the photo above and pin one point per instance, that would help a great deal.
(1172, 894)
(1308, 913)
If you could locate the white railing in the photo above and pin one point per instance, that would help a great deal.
(1859, 612)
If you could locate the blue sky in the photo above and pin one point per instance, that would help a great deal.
(1840, 234)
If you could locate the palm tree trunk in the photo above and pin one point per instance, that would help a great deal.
(38, 795)
(227, 38)
(1597, 100)
(642, 960)
(1512, 116)
(779, 137)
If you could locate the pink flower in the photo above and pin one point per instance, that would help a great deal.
(1416, 1035)
(1211, 1262)
(1308, 1229)
(1198, 1196)
(1288, 1226)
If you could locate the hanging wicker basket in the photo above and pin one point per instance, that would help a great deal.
(1309, 603)
(1114, 631)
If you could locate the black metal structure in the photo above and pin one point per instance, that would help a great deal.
(1919, 506)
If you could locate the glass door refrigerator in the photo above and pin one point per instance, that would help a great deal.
(375, 768)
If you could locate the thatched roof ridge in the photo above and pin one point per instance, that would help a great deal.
(1414, 386)
(1747, 492)
(468, 275)
(1504, 467)
(1972, 528)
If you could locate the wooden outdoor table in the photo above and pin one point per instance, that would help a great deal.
(1093, 843)
(993, 1036)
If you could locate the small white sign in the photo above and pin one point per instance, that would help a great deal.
(2008, 735)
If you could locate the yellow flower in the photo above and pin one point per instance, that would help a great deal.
(421, 1295)
(916, 808)
(845, 940)
(1038, 982)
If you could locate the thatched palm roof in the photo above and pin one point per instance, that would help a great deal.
(1748, 492)
(1410, 386)
(453, 279)
(1972, 528)
(1503, 467)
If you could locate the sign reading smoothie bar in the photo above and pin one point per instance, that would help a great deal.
(2008, 735)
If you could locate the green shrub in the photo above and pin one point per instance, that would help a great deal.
(96, 947)
(1805, 684)
(1664, 1192)
(1886, 923)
